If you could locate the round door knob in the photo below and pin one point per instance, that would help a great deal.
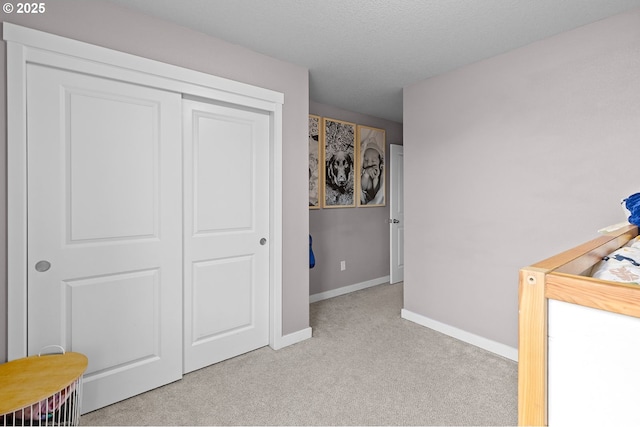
(42, 266)
(263, 241)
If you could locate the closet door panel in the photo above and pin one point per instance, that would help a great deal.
(105, 229)
(226, 241)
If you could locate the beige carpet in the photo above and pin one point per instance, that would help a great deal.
(364, 366)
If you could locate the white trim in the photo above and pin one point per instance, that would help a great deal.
(43, 44)
(24, 46)
(347, 289)
(16, 203)
(468, 337)
(275, 238)
(293, 338)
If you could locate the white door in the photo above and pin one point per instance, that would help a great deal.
(105, 229)
(226, 232)
(396, 211)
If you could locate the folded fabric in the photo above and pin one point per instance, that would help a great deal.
(622, 265)
(634, 243)
(632, 203)
(45, 408)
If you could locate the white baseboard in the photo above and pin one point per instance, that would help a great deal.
(293, 338)
(478, 341)
(347, 289)
(304, 334)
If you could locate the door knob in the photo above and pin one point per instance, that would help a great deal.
(263, 241)
(42, 266)
(393, 221)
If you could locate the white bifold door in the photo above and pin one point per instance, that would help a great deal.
(145, 250)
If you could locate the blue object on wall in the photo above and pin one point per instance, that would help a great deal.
(312, 258)
(632, 203)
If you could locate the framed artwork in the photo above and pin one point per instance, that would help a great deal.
(371, 167)
(315, 171)
(338, 148)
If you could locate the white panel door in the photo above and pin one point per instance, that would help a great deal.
(226, 227)
(105, 229)
(396, 211)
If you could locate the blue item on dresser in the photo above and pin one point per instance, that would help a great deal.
(632, 203)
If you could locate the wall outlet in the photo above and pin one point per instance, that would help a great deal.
(343, 265)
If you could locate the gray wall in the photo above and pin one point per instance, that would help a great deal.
(119, 28)
(511, 160)
(359, 236)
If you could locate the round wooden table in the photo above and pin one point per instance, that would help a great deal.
(30, 380)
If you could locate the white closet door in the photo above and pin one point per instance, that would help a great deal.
(226, 241)
(105, 229)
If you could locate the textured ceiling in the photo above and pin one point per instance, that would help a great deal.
(361, 53)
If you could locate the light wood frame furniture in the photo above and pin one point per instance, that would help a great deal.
(563, 278)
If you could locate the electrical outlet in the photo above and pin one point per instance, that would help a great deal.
(343, 265)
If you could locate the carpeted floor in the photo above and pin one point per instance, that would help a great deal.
(364, 366)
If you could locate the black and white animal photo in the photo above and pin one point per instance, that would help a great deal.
(340, 178)
(339, 163)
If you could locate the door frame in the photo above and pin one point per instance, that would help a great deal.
(25, 45)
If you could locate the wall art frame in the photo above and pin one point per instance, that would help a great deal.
(315, 158)
(371, 155)
(339, 151)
